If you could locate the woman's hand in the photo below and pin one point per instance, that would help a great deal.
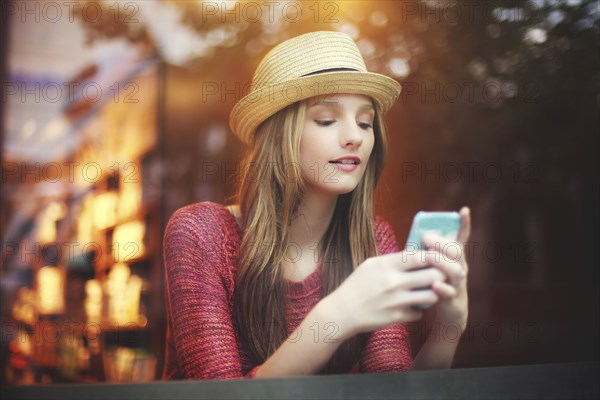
(381, 292)
(450, 258)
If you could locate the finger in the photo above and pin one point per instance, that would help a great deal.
(410, 314)
(465, 225)
(444, 290)
(422, 278)
(407, 260)
(451, 249)
(453, 270)
(416, 297)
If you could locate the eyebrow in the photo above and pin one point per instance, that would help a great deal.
(333, 103)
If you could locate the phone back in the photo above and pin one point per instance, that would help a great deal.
(446, 224)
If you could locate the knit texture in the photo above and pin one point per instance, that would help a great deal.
(201, 246)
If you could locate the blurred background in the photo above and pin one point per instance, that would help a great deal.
(114, 114)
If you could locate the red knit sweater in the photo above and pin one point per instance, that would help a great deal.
(200, 251)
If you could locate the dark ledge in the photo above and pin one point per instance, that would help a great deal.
(548, 381)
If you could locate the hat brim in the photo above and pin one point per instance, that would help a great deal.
(265, 101)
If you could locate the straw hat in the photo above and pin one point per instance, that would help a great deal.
(308, 65)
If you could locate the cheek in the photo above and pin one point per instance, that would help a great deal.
(306, 154)
(311, 147)
(304, 150)
(369, 144)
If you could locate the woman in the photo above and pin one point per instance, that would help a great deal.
(301, 277)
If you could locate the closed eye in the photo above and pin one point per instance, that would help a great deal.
(324, 123)
(365, 125)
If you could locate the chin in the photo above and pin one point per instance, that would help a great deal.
(342, 186)
(338, 188)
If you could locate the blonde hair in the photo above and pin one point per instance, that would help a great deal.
(270, 191)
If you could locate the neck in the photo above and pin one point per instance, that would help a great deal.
(313, 218)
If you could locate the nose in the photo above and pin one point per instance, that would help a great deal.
(351, 135)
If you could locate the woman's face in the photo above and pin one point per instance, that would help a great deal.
(336, 142)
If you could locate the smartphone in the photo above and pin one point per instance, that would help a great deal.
(446, 224)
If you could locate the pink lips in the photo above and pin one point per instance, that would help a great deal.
(347, 163)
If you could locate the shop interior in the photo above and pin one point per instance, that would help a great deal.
(114, 115)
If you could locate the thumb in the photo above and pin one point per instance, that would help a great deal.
(465, 225)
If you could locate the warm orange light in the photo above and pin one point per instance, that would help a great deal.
(55, 211)
(85, 221)
(25, 306)
(105, 209)
(128, 241)
(93, 301)
(50, 290)
(123, 291)
(130, 199)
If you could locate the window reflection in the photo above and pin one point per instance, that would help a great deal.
(104, 138)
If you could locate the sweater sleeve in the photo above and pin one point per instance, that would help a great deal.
(203, 341)
(387, 349)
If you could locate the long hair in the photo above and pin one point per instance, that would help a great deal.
(270, 191)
